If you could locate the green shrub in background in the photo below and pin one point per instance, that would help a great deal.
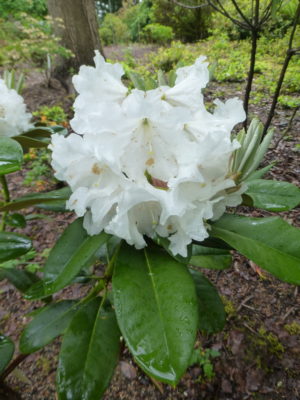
(27, 38)
(289, 101)
(136, 17)
(157, 33)
(188, 25)
(113, 30)
(167, 59)
(35, 8)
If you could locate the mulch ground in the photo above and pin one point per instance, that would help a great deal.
(259, 353)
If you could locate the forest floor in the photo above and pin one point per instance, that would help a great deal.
(260, 345)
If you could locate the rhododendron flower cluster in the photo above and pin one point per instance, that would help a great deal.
(14, 119)
(150, 162)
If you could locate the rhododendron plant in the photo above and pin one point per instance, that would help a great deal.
(151, 167)
(150, 162)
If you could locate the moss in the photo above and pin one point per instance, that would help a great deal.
(44, 364)
(262, 347)
(293, 328)
(229, 307)
(269, 341)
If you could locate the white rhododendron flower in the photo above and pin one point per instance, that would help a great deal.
(14, 119)
(146, 163)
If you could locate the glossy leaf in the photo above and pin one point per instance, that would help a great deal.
(156, 307)
(74, 250)
(212, 316)
(272, 195)
(39, 132)
(89, 353)
(49, 323)
(28, 142)
(37, 199)
(39, 136)
(7, 349)
(11, 155)
(208, 257)
(271, 243)
(22, 280)
(16, 220)
(13, 245)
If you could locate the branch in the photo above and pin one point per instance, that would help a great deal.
(267, 12)
(241, 13)
(178, 3)
(13, 365)
(223, 11)
(210, 3)
(289, 54)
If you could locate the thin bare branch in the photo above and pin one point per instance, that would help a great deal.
(221, 10)
(243, 16)
(266, 14)
(178, 3)
(254, 38)
(289, 54)
(224, 12)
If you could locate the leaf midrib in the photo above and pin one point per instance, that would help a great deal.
(158, 304)
(262, 244)
(89, 345)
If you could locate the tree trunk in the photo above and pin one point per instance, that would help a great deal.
(75, 23)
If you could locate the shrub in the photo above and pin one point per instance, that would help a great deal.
(113, 30)
(188, 25)
(157, 33)
(35, 8)
(28, 39)
(136, 17)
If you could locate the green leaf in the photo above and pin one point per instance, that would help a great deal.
(39, 199)
(272, 195)
(28, 142)
(259, 173)
(11, 155)
(74, 250)
(271, 243)
(156, 307)
(2, 274)
(39, 132)
(161, 78)
(22, 280)
(16, 220)
(7, 349)
(207, 257)
(89, 352)
(150, 83)
(137, 80)
(39, 136)
(212, 316)
(13, 245)
(49, 323)
(259, 155)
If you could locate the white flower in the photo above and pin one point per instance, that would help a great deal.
(97, 87)
(14, 119)
(148, 163)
